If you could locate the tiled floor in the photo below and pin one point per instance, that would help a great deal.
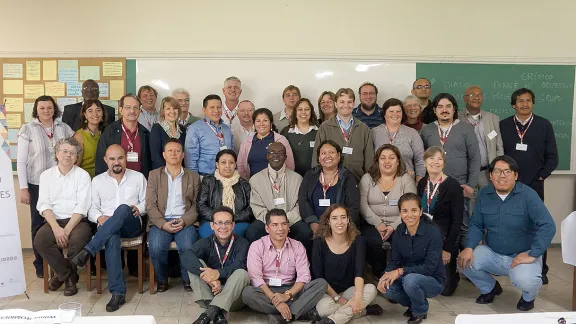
(176, 306)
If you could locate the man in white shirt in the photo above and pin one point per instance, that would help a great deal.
(232, 90)
(245, 127)
(290, 96)
(64, 200)
(118, 200)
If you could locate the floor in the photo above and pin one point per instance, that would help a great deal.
(176, 305)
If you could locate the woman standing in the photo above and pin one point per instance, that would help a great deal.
(380, 190)
(327, 105)
(36, 141)
(252, 156)
(413, 111)
(167, 128)
(406, 139)
(443, 199)
(338, 245)
(301, 133)
(92, 123)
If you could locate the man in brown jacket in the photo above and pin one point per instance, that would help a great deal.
(171, 206)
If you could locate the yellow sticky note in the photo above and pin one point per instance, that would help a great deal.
(112, 69)
(33, 70)
(33, 91)
(12, 87)
(50, 71)
(28, 107)
(12, 71)
(14, 121)
(55, 89)
(116, 89)
(14, 104)
(89, 72)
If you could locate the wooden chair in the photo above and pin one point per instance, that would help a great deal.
(173, 246)
(48, 273)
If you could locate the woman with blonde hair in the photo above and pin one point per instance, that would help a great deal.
(167, 128)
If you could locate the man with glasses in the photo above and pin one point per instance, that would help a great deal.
(518, 228)
(368, 110)
(90, 91)
(422, 89)
(217, 269)
(149, 115)
(183, 97)
(290, 96)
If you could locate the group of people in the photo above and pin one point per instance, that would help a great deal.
(262, 217)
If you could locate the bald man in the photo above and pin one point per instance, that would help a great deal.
(90, 91)
(118, 200)
(245, 127)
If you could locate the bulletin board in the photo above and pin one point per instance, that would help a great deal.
(24, 79)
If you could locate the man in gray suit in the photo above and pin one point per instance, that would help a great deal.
(487, 129)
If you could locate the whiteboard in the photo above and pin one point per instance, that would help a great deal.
(263, 80)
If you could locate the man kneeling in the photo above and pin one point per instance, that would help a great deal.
(216, 266)
(519, 230)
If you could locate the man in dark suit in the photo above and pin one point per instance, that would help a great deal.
(90, 91)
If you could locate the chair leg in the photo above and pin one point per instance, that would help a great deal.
(140, 268)
(89, 274)
(46, 274)
(98, 274)
(152, 283)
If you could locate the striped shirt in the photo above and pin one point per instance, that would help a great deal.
(36, 151)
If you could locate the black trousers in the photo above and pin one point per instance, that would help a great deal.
(375, 255)
(452, 275)
(37, 221)
(538, 186)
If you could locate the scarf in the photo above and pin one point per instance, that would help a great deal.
(166, 128)
(228, 195)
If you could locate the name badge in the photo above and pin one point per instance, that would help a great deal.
(393, 202)
(275, 282)
(492, 134)
(132, 157)
(521, 147)
(279, 201)
(347, 150)
(223, 147)
(312, 143)
(324, 202)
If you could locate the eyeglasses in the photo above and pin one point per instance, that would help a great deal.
(474, 95)
(420, 86)
(68, 152)
(368, 93)
(222, 223)
(183, 100)
(90, 88)
(498, 172)
(131, 107)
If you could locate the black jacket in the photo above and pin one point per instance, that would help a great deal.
(210, 198)
(112, 134)
(71, 115)
(347, 194)
(448, 210)
(159, 138)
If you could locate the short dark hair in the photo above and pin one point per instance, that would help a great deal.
(87, 104)
(57, 112)
(333, 144)
(210, 97)
(392, 102)
(223, 209)
(226, 151)
(520, 92)
(173, 140)
(275, 212)
(450, 98)
(128, 95)
(368, 84)
(508, 160)
(414, 83)
(268, 114)
(409, 196)
(147, 88)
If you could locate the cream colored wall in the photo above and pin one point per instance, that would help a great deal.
(490, 30)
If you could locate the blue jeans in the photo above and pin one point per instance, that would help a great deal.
(239, 229)
(527, 277)
(159, 244)
(122, 224)
(412, 290)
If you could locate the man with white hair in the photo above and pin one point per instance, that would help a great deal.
(183, 97)
(245, 126)
(232, 90)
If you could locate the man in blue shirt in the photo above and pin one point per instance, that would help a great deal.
(206, 137)
(519, 230)
(368, 110)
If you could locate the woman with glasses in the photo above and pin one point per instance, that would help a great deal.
(327, 106)
(301, 133)
(412, 111)
(92, 123)
(224, 188)
(167, 128)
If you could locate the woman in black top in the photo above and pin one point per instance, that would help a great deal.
(326, 184)
(167, 128)
(443, 200)
(301, 133)
(415, 271)
(339, 256)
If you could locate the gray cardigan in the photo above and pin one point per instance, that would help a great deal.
(408, 141)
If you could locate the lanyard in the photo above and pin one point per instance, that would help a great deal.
(148, 121)
(325, 186)
(130, 144)
(275, 187)
(445, 137)
(234, 113)
(473, 121)
(346, 138)
(390, 137)
(521, 134)
(222, 261)
(278, 258)
(430, 193)
(215, 131)
(49, 134)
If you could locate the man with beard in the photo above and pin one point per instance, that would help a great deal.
(290, 96)
(148, 113)
(368, 110)
(422, 89)
(183, 97)
(90, 91)
(118, 200)
(232, 90)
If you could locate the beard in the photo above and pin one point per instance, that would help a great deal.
(117, 170)
(368, 107)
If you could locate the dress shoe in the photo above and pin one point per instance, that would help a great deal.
(375, 310)
(115, 302)
(325, 320)
(40, 273)
(524, 305)
(544, 279)
(161, 286)
(81, 258)
(489, 297)
(276, 319)
(311, 315)
(70, 288)
(187, 286)
(408, 313)
(417, 319)
(55, 283)
(220, 318)
(203, 319)
(391, 301)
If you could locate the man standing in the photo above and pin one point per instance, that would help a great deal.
(118, 200)
(183, 97)
(518, 229)
(232, 90)
(280, 274)
(245, 127)
(368, 110)
(529, 139)
(90, 91)
(422, 89)
(217, 269)
(290, 96)
(149, 115)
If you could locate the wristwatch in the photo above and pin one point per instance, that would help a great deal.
(336, 298)
(289, 293)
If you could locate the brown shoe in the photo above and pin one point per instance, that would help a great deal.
(70, 288)
(162, 287)
(55, 283)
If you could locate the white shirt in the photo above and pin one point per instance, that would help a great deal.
(108, 194)
(175, 206)
(233, 113)
(239, 133)
(64, 194)
(296, 130)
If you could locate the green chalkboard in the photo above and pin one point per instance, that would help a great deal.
(553, 86)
